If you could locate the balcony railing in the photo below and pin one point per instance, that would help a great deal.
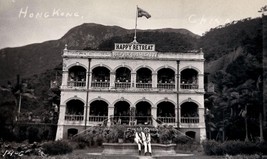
(122, 84)
(166, 86)
(126, 119)
(166, 119)
(100, 84)
(120, 119)
(76, 83)
(189, 119)
(97, 118)
(188, 86)
(143, 85)
(144, 120)
(74, 117)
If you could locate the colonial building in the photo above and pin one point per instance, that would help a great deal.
(131, 85)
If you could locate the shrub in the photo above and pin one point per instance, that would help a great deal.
(234, 148)
(165, 134)
(168, 134)
(189, 147)
(256, 156)
(95, 136)
(129, 135)
(115, 132)
(212, 147)
(57, 147)
(262, 147)
(33, 134)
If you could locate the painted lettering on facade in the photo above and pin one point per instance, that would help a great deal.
(134, 55)
(134, 47)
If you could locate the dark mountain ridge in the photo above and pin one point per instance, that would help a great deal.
(36, 58)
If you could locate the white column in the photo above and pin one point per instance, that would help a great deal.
(201, 82)
(110, 113)
(178, 77)
(154, 115)
(201, 117)
(59, 134)
(202, 134)
(176, 115)
(175, 80)
(154, 80)
(179, 115)
(133, 79)
(112, 79)
(61, 120)
(90, 79)
(64, 78)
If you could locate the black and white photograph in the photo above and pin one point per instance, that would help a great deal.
(133, 79)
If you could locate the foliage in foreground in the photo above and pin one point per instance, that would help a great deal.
(234, 148)
(57, 147)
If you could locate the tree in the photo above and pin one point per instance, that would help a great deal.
(7, 113)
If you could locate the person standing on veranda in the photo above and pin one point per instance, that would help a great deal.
(147, 141)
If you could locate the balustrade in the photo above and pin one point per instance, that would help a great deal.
(188, 86)
(166, 119)
(100, 84)
(122, 84)
(74, 117)
(166, 85)
(97, 118)
(76, 83)
(143, 85)
(189, 119)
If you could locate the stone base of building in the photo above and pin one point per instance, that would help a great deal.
(132, 149)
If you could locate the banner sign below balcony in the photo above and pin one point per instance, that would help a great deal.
(134, 47)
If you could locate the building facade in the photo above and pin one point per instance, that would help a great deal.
(131, 85)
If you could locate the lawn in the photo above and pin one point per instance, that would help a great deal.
(95, 153)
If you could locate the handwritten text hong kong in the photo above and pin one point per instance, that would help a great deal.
(134, 47)
(53, 13)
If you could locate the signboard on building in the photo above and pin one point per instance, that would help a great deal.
(134, 47)
(135, 54)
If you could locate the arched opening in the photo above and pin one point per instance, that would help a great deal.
(98, 111)
(122, 112)
(166, 112)
(191, 134)
(189, 79)
(144, 78)
(166, 79)
(74, 110)
(100, 77)
(143, 113)
(189, 113)
(123, 78)
(71, 132)
(77, 76)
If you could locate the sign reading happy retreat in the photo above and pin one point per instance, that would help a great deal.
(134, 47)
(134, 51)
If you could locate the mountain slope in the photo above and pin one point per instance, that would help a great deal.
(36, 58)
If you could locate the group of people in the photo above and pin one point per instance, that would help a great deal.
(143, 138)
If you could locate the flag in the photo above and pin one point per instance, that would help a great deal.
(141, 13)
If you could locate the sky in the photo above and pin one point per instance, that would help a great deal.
(24, 22)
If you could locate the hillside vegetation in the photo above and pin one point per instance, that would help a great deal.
(164, 41)
(37, 58)
(246, 33)
(234, 61)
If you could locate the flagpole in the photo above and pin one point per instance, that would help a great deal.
(135, 24)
